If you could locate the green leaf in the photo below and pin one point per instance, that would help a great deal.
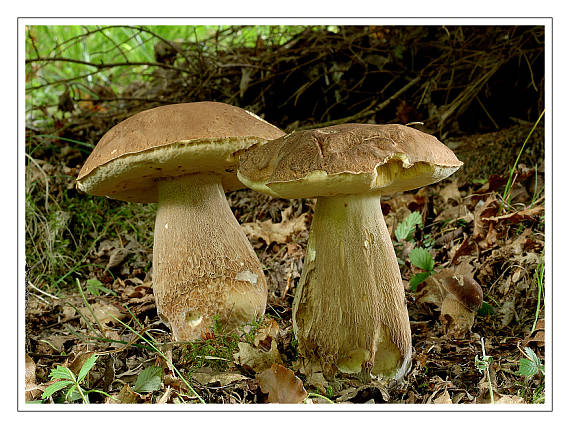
(95, 287)
(92, 286)
(483, 363)
(527, 368)
(421, 258)
(417, 279)
(55, 387)
(405, 229)
(530, 367)
(62, 372)
(485, 309)
(87, 365)
(73, 394)
(148, 380)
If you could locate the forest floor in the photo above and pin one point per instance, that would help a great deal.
(89, 296)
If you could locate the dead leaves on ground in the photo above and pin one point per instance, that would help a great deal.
(281, 384)
(281, 232)
(501, 249)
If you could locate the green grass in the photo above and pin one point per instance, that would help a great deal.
(83, 48)
(506, 198)
(64, 228)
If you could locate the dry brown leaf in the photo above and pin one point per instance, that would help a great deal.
(221, 378)
(537, 336)
(483, 211)
(266, 334)
(78, 361)
(33, 391)
(450, 192)
(125, 396)
(466, 248)
(458, 212)
(509, 399)
(507, 313)
(282, 385)
(105, 313)
(255, 358)
(276, 232)
(444, 398)
(519, 216)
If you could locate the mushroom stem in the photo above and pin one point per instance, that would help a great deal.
(350, 309)
(203, 264)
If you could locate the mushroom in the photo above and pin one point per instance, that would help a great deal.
(182, 156)
(349, 310)
(463, 296)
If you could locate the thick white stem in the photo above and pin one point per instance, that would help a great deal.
(203, 264)
(350, 309)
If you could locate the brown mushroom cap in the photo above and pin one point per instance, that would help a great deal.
(170, 141)
(346, 159)
(465, 289)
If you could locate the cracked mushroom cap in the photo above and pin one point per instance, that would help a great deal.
(346, 159)
(169, 141)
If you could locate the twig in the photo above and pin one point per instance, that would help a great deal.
(41, 291)
(369, 111)
(100, 66)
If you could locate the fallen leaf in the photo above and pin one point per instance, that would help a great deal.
(537, 336)
(266, 334)
(105, 313)
(128, 396)
(276, 232)
(484, 211)
(509, 399)
(444, 398)
(467, 248)
(77, 363)
(257, 359)
(222, 378)
(458, 212)
(450, 192)
(33, 391)
(507, 312)
(519, 216)
(117, 257)
(282, 385)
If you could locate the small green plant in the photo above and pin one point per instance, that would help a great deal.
(406, 228)
(422, 259)
(149, 380)
(73, 384)
(95, 287)
(214, 349)
(486, 309)
(483, 364)
(531, 365)
(250, 329)
(151, 342)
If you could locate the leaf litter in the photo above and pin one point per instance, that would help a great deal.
(463, 228)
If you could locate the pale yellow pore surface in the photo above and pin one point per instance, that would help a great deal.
(393, 176)
(349, 311)
(203, 264)
(133, 177)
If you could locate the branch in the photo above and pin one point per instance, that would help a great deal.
(107, 66)
(369, 111)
